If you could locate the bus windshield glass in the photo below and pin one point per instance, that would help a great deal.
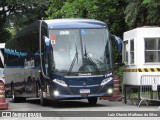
(81, 50)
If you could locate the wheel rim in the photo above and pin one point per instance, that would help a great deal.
(13, 94)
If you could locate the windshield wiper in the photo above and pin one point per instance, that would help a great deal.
(73, 61)
(90, 59)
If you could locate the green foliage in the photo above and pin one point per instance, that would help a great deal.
(18, 13)
(70, 9)
(132, 11)
(153, 11)
(142, 12)
(29, 11)
(79, 9)
(5, 35)
(54, 9)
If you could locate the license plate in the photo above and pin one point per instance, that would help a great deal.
(84, 91)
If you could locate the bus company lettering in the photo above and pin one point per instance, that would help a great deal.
(84, 74)
(28, 64)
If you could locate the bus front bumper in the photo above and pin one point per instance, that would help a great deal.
(75, 92)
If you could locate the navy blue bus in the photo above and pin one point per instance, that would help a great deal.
(60, 59)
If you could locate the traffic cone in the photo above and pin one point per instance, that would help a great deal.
(116, 92)
(3, 104)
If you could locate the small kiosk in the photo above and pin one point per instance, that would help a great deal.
(141, 55)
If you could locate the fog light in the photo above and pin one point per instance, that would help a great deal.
(56, 93)
(110, 91)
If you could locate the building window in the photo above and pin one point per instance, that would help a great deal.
(126, 49)
(132, 51)
(152, 50)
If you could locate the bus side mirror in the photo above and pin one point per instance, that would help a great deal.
(47, 45)
(118, 41)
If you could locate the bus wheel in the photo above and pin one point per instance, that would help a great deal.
(14, 98)
(13, 94)
(92, 100)
(42, 99)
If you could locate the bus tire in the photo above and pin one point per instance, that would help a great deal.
(42, 99)
(14, 98)
(92, 100)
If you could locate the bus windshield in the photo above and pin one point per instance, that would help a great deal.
(81, 50)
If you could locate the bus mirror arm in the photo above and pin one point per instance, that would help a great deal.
(118, 41)
(40, 51)
(47, 45)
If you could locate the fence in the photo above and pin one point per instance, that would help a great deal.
(149, 88)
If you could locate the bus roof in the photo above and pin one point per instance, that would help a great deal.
(75, 23)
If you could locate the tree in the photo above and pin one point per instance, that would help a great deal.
(19, 13)
(142, 12)
(153, 10)
(110, 11)
(54, 9)
(132, 12)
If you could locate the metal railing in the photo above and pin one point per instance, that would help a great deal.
(149, 88)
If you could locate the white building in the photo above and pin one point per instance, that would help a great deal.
(141, 55)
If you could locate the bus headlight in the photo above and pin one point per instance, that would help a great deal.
(110, 91)
(60, 82)
(105, 81)
(56, 93)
